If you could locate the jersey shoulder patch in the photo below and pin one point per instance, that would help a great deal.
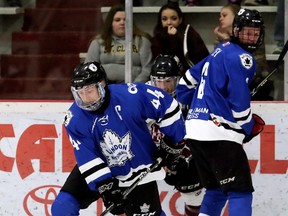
(67, 118)
(246, 60)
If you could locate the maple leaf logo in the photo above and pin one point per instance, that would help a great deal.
(246, 60)
(116, 149)
(145, 208)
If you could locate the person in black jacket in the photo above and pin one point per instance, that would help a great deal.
(169, 36)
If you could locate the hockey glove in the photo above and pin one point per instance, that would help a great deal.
(112, 194)
(257, 128)
(186, 179)
(174, 155)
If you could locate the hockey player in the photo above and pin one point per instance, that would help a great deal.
(165, 74)
(220, 118)
(107, 126)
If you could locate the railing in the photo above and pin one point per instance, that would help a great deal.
(197, 9)
(269, 57)
(11, 10)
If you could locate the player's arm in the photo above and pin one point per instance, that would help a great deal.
(238, 92)
(239, 96)
(96, 173)
(163, 109)
(168, 117)
(90, 164)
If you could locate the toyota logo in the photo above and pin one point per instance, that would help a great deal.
(40, 199)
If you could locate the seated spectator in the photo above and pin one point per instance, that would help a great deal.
(14, 3)
(223, 32)
(108, 48)
(169, 37)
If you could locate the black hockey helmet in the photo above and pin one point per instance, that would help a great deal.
(88, 73)
(85, 76)
(248, 18)
(166, 66)
(165, 73)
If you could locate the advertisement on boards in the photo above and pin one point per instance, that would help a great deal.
(36, 158)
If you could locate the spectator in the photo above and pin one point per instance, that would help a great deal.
(108, 48)
(220, 118)
(108, 128)
(14, 3)
(224, 31)
(169, 37)
(279, 28)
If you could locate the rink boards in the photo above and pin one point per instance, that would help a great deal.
(36, 158)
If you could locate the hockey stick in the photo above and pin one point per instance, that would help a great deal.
(132, 187)
(185, 47)
(278, 64)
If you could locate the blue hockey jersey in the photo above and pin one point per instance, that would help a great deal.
(217, 90)
(117, 142)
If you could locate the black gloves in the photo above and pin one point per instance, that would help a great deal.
(112, 194)
(257, 128)
(174, 156)
(186, 179)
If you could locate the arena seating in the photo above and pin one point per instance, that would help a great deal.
(44, 54)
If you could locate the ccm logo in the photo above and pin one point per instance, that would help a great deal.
(225, 181)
